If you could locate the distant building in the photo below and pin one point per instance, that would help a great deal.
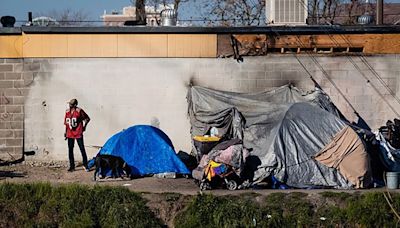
(345, 15)
(117, 18)
(129, 14)
(44, 21)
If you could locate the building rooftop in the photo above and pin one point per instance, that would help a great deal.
(270, 30)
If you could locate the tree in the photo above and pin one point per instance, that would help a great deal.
(338, 11)
(329, 10)
(141, 11)
(351, 7)
(324, 11)
(235, 12)
(67, 17)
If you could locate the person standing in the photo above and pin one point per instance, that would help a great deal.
(75, 121)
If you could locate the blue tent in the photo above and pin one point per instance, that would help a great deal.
(146, 149)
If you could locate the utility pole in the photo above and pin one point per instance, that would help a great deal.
(379, 12)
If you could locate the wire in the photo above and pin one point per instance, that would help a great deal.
(198, 19)
(367, 79)
(356, 66)
(322, 70)
(327, 76)
(365, 61)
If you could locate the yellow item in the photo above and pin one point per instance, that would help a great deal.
(206, 139)
(209, 171)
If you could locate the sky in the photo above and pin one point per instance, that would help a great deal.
(20, 8)
(94, 8)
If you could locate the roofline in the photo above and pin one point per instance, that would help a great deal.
(10, 31)
(271, 30)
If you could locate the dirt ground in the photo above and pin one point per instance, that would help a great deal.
(59, 175)
(24, 173)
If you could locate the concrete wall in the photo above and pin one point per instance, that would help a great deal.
(118, 93)
(14, 78)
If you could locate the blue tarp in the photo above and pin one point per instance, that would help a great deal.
(146, 149)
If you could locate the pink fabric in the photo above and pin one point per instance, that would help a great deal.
(225, 156)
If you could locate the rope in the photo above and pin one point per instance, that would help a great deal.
(365, 77)
(363, 59)
(351, 60)
(387, 199)
(324, 73)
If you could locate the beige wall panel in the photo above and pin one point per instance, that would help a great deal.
(80, 45)
(104, 45)
(170, 45)
(40, 45)
(11, 46)
(186, 45)
(142, 45)
(158, 45)
(55, 45)
(174, 45)
(208, 46)
(32, 45)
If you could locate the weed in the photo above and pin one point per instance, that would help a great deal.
(290, 210)
(41, 205)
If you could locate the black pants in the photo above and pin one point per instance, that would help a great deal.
(71, 142)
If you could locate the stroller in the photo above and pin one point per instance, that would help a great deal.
(223, 165)
(216, 174)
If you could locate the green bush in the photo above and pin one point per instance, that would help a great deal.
(211, 211)
(41, 205)
(291, 210)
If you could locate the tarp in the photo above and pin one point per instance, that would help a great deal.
(389, 156)
(346, 153)
(146, 149)
(284, 129)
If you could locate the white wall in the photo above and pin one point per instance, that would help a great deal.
(118, 93)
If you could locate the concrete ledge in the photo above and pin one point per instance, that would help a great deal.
(10, 31)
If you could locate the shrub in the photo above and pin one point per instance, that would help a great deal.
(41, 205)
(291, 210)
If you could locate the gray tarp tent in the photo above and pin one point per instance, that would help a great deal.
(292, 135)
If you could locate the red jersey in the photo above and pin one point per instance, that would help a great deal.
(75, 122)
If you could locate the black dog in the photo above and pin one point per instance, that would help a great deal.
(104, 162)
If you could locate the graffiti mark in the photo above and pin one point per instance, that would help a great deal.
(4, 116)
(4, 100)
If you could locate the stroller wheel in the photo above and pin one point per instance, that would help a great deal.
(231, 185)
(204, 186)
